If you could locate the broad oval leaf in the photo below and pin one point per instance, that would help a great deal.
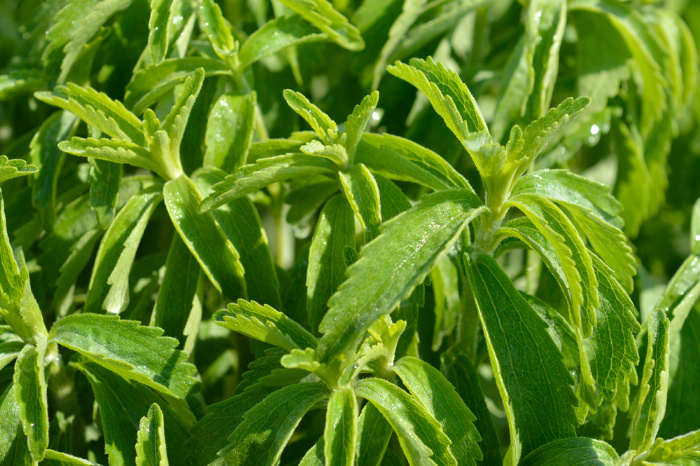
(340, 431)
(150, 445)
(578, 450)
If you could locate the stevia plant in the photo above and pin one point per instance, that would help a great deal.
(400, 312)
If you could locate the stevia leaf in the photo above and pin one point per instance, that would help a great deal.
(441, 400)
(10, 347)
(179, 299)
(665, 451)
(158, 25)
(335, 231)
(276, 35)
(230, 131)
(463, 376)
(214, 25)
(111, 150)
(579, 450)
(362, 193)
(251, 178)
(30, 394)
(322, 15)
(533, 382)
(357, 122)
(681, 293)
(13, 442)
(98, 110)
(401, 159)
(409, 246)
(340, 431)
(420, 435)
(274, 147)
(562, 333)
(204, 238)
(314, 456)
(122, 405)
(373, 435)
(447, 93)
(150, 444)
(129, 350)
(265, 324)
(109, 283)
(14, 168)
(105, 178)
(445, 284)
(515, 89)
(305, 200)
(149, 85)
(57, 458)
(634, 183)
(241, 223)
(267, 427)
(322, 124)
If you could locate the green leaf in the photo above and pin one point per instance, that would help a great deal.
(150, 446)
(267, 427)
(109, 283)
(158, 25)
(252, 178)
(335, 231)
(357, 122)
(14, 168)
(578, 450)
(265, 324)
(341, 427)
(105, 178)
(13, 443)
(132, 351)
(241, 223)
(203, 236)
(321, 123)
(401, 159)
(362, 193)
(420, 435)
(562, 333)
(314, 456)
(111, 150)
(58, 458)
(122, 404)
(462, 374)
(373, 435)
(681, 293)
(214, 25)
(533, 382)
(409, 246)
(650, 403)
(445, 284)
(448, 95)
(229, 131)
(665, 451)
(322, 15)
(179, 301)
(30, 395)
(150, 84)
(516, 86)
(98, 110)
(441, 400)
(276, 35)
(695, 229)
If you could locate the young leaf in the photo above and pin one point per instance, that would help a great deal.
(321, 123)
(362, 193)
(129, 350)
(357, 122)
(267, 427)
(105, 178)
(650, 404)
(666, 451)
(229, 131)
(161, 16)
(150, 446)
(373, 435)
(681, 293)
(532, 380)
(420, 435)
(265, 324)
(204, 238)
(276, 35)
(578, 450)
(409, 246)
(341, 425)
(30, 395)
(214, 25)
(335, 231)
(251, 178)
(437, 396)
(112, 150)
(14, 168)
(109, 284)
(13, 442)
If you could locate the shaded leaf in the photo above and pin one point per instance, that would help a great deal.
(362, 193)
(30, 395)
(373, 434)
(341, 427)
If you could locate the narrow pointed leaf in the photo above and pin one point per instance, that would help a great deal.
(420, 435)
(57, 458)
(357, 122)
(409, 246)
(215, 27)
(105, 178)
(373, 435)
(158, 25)
(111, 150)
(132, 351)
(341, 428)
(532, 380)
(150, 445)
(681, 293)
(362, 193)
(229, 131)
(321, 123)
(30, 395)
(206, 241)
(266, 429)
(579, 450)
(109, 284)
(441, 400)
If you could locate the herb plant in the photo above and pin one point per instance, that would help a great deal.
(353, 233)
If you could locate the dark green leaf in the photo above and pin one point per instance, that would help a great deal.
(373, 434)
(105, 178)
(341, 427)
(13, 442)
(580, 450)
(30, 395)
